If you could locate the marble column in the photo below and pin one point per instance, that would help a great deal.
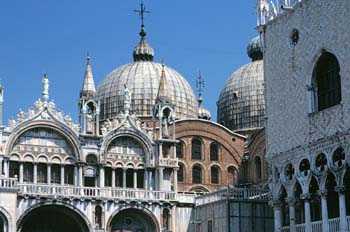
(306, 197)
(80, 174)
(291, 204)
(175, 179)
(6, 167)
(113, 177)
(35, 173)
(62, 174)
(160, 176)
(102, 176)
(76, 176)
(124, 178)
(150, 183)
(135, 179)
(323, 195)
(145, 181)
(343, 226)
(21, 172)
(277, 216)
(48, 174)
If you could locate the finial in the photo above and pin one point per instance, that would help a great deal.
(88, 58)
(45, 93)
(141, 13)
(200, 86)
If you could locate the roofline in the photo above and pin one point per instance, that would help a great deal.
(214, 123)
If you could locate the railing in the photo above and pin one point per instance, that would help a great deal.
(104, 193)
(333, 226)
(186, 197)
(233, 193)
(168, 162)
(8, 183)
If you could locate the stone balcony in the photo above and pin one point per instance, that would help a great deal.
(106, 194)
(8, 184)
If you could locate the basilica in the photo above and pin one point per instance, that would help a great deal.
(143, 157)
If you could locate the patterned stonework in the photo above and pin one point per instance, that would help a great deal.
(291, 122)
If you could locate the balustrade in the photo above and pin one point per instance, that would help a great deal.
(8, 183)
(334, 226)
(107, 193)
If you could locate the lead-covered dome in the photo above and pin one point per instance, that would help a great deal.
(241, 103)
(142, 78)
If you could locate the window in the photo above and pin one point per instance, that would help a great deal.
(232, 176)
(14, 169)
(55, 174)
(42, 173)
(98, 217)
(196, 149)
(69, 174)
(214, 173)
(166, 219)
(257, 164)
(197, 174)
(326, 82)
(28, 172)
(179, 150)
(214, 152)
(180, 173)
(210, 226)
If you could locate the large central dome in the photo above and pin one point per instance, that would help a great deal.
(142, 78)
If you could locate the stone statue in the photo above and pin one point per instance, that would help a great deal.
(90, 122)
(165, 132)
(45, 94)
(127, 99)
(38, 105)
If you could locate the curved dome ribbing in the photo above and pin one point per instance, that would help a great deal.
(142, 79)
(241, 101)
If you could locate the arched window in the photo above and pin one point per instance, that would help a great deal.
(28, 172)
(69, 174)
(55, 173)
(196, 149)
(326, 82)
(14, 169)
(166, 219)
(98, 217)
(197, 174)
(232, 176)
(215, 175)
(42, 173)
(180, 173)
(214, 152)
(257, 164)
(179, 150)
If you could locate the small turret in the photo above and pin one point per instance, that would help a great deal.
(89, 109)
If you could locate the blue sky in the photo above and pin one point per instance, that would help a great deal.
(50, 36)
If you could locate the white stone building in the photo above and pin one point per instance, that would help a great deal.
(307, 78)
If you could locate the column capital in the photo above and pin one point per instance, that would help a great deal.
(305, 196)
(276, 204)
(80, 164)
(340, 189)
(322, 193)
(290, 200)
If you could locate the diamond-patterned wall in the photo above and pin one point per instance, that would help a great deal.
(322, 24)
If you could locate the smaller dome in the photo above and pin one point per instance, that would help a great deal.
(254, 49)
(143, 51)
(204, 113)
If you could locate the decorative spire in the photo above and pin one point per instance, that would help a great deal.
(88, 89)
(143, 51)
(202, 112)
(163, 87)
(200, 86)
(45, 93)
